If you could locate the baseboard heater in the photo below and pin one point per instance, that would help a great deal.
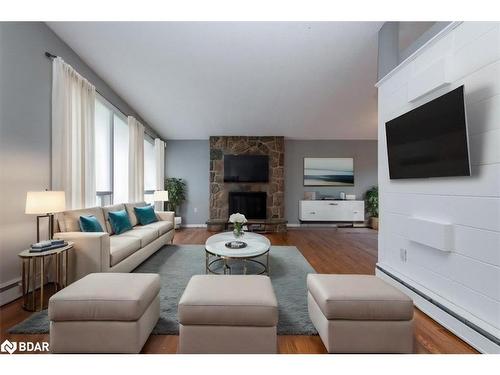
(10, 285)
(460, 318)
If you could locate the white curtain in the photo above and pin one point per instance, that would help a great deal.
(135, 160)
(73, 154)
(160, 169)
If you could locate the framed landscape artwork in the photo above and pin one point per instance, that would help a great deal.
(328, 171)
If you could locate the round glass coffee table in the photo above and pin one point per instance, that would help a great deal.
(221, 260)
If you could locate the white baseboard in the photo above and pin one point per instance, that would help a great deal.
(193, 225)
(289, 225)
(458, 327)
(312, 225)
(10, 291)
(324, 225)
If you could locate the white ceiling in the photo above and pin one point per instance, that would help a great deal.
(190, 80)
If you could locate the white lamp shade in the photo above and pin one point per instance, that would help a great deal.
(160, 196)
(45, 202)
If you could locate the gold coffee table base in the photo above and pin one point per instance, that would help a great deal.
(226, 269)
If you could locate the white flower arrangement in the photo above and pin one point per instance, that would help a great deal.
(237, 218)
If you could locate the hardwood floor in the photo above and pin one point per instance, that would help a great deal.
(348, 251)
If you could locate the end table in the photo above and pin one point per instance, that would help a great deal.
(30, 262)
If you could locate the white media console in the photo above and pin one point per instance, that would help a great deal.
(331, 210)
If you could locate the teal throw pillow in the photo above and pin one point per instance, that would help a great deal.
(119, 221)
(145, 215)
(90, 224)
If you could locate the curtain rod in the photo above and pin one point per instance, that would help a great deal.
(52, 56)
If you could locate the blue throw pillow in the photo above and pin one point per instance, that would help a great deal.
(90, 224)
(119, 221)
(145, 215)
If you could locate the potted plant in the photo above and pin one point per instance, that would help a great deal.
(371, 199)
(176, 188)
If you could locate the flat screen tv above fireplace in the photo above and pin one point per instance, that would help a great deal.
(246, 168)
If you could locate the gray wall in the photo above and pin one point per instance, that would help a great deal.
(422, 39)
(189, 160)
(388, 48)
(365, 169)
(25, 97)
(389, 52)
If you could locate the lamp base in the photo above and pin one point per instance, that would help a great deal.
(51, 226)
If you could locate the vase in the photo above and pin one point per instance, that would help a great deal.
(238, 232)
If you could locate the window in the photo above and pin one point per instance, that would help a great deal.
(120, 160)
(111, 154)
(149, 169)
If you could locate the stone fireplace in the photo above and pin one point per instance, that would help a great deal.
(273, 147)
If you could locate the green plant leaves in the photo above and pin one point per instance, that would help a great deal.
(176, 188)
(371, 199)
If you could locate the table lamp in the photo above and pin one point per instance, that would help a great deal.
(45, 204)
(160, 196)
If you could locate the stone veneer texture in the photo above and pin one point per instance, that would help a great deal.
(274, 147)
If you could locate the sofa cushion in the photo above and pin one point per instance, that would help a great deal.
(105, 296)
(119, 221)
(145, 234)
(358, 297)
(90, 224)
(145, 215)
(161, 226)
(131, 213)
(106, 210)
(121, 246)
(69, 221)
(231, 300)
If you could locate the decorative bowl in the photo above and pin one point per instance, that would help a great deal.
(235, 244)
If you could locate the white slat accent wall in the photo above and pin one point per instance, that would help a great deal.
(466, 279)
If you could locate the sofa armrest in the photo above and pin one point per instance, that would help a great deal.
(166, 216)
(90, 253)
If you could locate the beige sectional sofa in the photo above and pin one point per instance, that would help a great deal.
(107, 251)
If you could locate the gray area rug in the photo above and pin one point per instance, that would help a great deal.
(177, 263)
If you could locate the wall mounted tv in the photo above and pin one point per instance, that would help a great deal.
(246, 168)
(431, 140)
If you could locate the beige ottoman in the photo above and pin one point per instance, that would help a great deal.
(360, 314)
(104, 313)
(228, 314)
